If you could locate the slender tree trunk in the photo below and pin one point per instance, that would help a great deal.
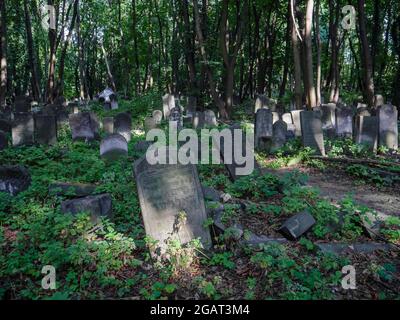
(318, 41)
(136, 54)
(310, 89)
(52, 34)
(109, 73)
(296, 57)
(3, 54)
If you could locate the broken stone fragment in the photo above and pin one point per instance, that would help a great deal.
(14, 179)
(226, 197)
(211, 194)
(99, 206)
(296, 226)
(71, 189)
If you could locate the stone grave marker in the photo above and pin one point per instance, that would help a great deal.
(297, 225)
(263, 129)
(45, 129)
(312, 134)
(379, 100)
(158, 116)
(84, 126)
(344, 122)
(275, 117)
(279, 135)
(108, 125)
(14, 179)
(172, 203)
(168, 105)
(296, 121)
(123, 125)
(22, 129)
(261, 103)
(366, 131)
(388, 127)
(328, 116)
(3, 140)
(210, 118)
(113, 147)
(287, 117)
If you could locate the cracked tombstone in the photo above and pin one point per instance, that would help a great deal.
(14, 179)
(168, 105)
(123, 125)
(312, 134)
(210, 118)
(172, 202)
(158, 116)
(344, 122)
(367, 132)
(388, 127)
(98, 206)
(84, 126)
(113, 147)
(296, 226)
(296, 122)
(263, 129)
(279, 135)
(22, 129)
(45, 129)
(108, 125)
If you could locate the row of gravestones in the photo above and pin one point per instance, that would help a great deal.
(271, 132)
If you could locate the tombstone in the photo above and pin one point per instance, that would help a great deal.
(379, 100)
(275, 117)
(296, 226)
(84, 126)
(366, 131)
(172, 203)
(150, 124)
(168, 105)
(312, 134)
(210, 119)
(176, 116)
(3, 140)
(14, 179)
(98, 206)
(263, 129)
(296, 121)
(279, 135)
(158, 116)
(261, 103)
(114, 102)
(328, 116)
(5, 126)
(45, 130)
(287, 117)
(108, 98)
(123, 125)
(291, 131)
(108, 125)
(344, 122)
(142, 146)
(22, 129)
(388, 127)
(198, 120)
(362, 110)
(22, 104)
(113, 147)
(191, 105)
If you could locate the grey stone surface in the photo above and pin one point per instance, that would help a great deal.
(191, 105)
(3, 140)
(312, 134)
(71, 189)
(379, 100)
(263, 129)
(287, 117)
(83, 126)
(210, 119)
(258, 241)
(296, 121)
(198, 120)
(113, 147)
(176, 116)
(210, 194)
(279, 135)
(343, 248)
(14, 179)
(388, 127)
(149, 124)
(261, 102)
(296, 226)
(22, 129)
(172, 202)
(328, 116)
(142, 146)
(344, 122)
(98, 206)
(157, 116)
(366, 131)
(108, 125)
(45, 129)
(275, 117)
(168, 105)
(123, 125)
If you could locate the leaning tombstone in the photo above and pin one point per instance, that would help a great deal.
(3, 140)
(366, 131)
(113, 147)
(279, 135)
(388, 127)
(210, 118)
(344, 122)
(312, 134)
(14, 179)
(22, 129)
(172, 203)
(263, 129)
(149, 124)
(296, 121)
(198, 120)
(123, 125)
(82, 127)
(158, 116)
(45, 129)
(108, 125)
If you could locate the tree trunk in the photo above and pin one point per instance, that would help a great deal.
(296, 57)
(310, 88)
(3, 54)
(318, 42)
(109, 73)
(52, 34)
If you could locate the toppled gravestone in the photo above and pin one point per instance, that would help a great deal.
(294, 227)
(71, 189)
(113, 147)
(343, 248)
(14, 179)
(98, 206)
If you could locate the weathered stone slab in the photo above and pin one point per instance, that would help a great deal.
(168, 105)
(261, 103)
(388, 127)
(158, 116)
(210, 119)
(343, 248)
(254, 240)
(14, 179)
(99, 206)
(312, 134)
(22, 129)
(113, 147)
(172, 203)
(176, 116)
(328, 116)
(142, 146)
(108, 125)
(287, 117)
(367, 131)
(211, 194)
(344, 122)
(68, 189)
(3, 140)
(83, 126)
(296, 121)
(263, 129)
(279, 135)
(296, 226)
(123, 125)
(45, 129)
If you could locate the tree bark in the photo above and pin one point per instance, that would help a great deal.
(3, 54)
(296, 57)
(310, 88)
(318, 42)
